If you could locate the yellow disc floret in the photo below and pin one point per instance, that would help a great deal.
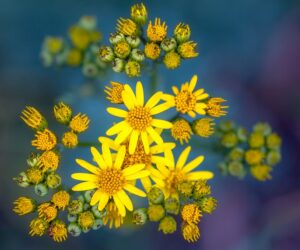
(181, 130)
(34, 175)
(61, 199)
(86, 220)
(47, 211)
(58, 231)
(49, 160)
(38, 227)
(139, 118)
(256, 140)
(79, 123)
(190, 232)
(23, 205)
(191, 213)
(158, 31)
(204, 127)
(44, 140)
(172, 60)
(152, 51)
(111, 181)
(122, 49)
(127, 27)
(253, 156)
(214, 107)
(70, 139)
(188, 49)
(114, 94)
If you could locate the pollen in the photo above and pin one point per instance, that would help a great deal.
(33, 118)
(181, 131)
(158, 31)
(58, 231)
(49, 160)
(139, 118)
(114, 94)
(190, 232)
(214, 107)
(127, 27)
(79, 123)
(23, 205)
(61, 199)
(185, 101)
(191, 213)
(204, 127)
(111, 181)
(47, 211)
(44, 140)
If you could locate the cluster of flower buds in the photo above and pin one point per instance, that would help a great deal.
(193, 201)
(80, 50)
(256, 152)
(130, 46)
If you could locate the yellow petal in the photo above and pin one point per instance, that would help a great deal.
(175, 90)
(139, 94)
(134, 190)
(106, 155)
(159, 108)
(193, 164)
(129, 103)
(84, 177)
(161, 124)
(200, 108)
(183, 157)
(198, 92)
(133, 141)
(193, 83)
(168, 98)
(146, 182)
(170, 159)
(200, 175)
(120, 157)
(154, 172)
(125, 200)
(98, 158)
(145, 141)
(202, 96)
(87, 166)
(192, 114)
(158, 181)
(155, 136)
(83, 186)
(123, 135)
(115, 129)
(154, 100)
(163, 170)
(117, 112)
(95, 198)
(138, 175)
(104, 198)
(119, 204)
(133, 169)
(110, 142)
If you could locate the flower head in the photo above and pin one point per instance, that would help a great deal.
(138, 121)
(157, 31)
(23, 205)
(74, 57)
(181, 130)
(169, 177)
(106, 54)
(274, 141)
(122, 49)
(139, 13)
(168, 225)
(132, 68)
(69, 139)
(62, 113)
(61, 199)
(79, 123)
(191, 213)
(34, 175)
(114, 94)
(49, 160)
(188, 49)
(156, 212)
(112, 217)
(261, 172)
(208, 204)
(256, 140)
(201, 189)
(254, 156)
(54, 44)
(127, 27)
(187, 100)
(172, 60)
(38, 227)
(203, 127)
(214, 107)
(80, 37)
(190, 232)
(109, 179)
(152, 51)
(53, 180)
(58, 231)
(33, 118)
(182, 32)
(86, 220)
(47, 211)
(44, 140)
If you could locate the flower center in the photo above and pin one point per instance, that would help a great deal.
(110, 181)
(139, 118)
(185, 101)
(173, 180)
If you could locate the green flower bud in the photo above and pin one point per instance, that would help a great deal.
(132, 69)
(168, 44)
(155, 195)
(106, 54)
(223, 168)
(72, 217)
(274, 141)
(263, 128)
(118, 65)
(256, 140)
(137, 55)
(139, 216)
(229, 140)
(182, 32)
(33, 159)
(242, 134)
(122, 49)
(97, 224)
(168, 225)
(227, 125)
(41, 189)
(88, 22)
(172, 205)
(74, 229)
(90, 70)
(86, 206)
(133, 41)
(53, 180)
(96, 211)
(156, 212)
(47, 58)
(22, 180)
(201, 189)
(273, 157)
(236, 168)
(75, 207)
(115, 38)
(208, 204)
(236, 154)
(88, 195)
(185, 188)
(139, 13)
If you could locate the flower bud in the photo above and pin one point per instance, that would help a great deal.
(132, 69)
(167, 225)
(88, 22)
(156, 212)
(74, 229)
(106, 54)
(115, 38)
(41, 189)
(75, 207)
(72, 217)
(172, 205)
(236, 168)
(22, 180)
(273, 157)
(53, 180)
(88, 195)
(155, 195)
(97, 224)
(168, 44)
(182, 32)
(137, 55)
(118, 65)
(90, 70)
(242, 134)
(133, 41)
(139, 13)
(139, 216)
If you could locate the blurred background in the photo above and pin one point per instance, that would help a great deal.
(249, 54)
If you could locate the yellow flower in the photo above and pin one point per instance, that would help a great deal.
(47, 211)
(253, 156)
(139, 13)
(274, 141)
(167, 225)
(204, 127)
(61, 199)
(191, 213)
(214, 107)
(127, 27)
(38, 227)
(34, 175)
(62, 113)
(261, 172)
(86, 220)
(158, 31)
(188, 49)
(79, 123)
(170, 176)
(140, 156)
(33, 118)
(138, 121)
(112, 216)
(122, 49)
(187, 101)
(49, 160)
(58, 231)
(182, 32)
(208, 204)
(54, 44)
(181, 130)
(74, 57)
(201, 188)
(109, 179)
(171, 60)
(190, 232)
(132, 68)
(79, 37)
(114, 94)
(152, 50)
(70, 140)
(44, 140)
(229, 140)
(256, 140)
(23, 205)
(156, 212)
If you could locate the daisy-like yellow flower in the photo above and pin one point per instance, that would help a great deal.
(158, 31)
(169, 177)
(214, 107)
(49, 160)
(47, 211)
(114, 94)
(109, 179)
(138, 121)
(140, 156)
(61, 199)
(204, 127)
(58, 231)
(187, 100)
(44, 140)
(79, 123)
(181, 130)
(38, 227)
(112, 217)
(33, 118)
(127, 27)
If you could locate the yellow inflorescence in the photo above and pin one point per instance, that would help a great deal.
(80, 37)
(54, 44)
(256, 140)
(38, 227)
(23, 205)
(62, 113)
(261, 172)
(61, 199)
(112, 217)
(86, 220)
(172, 60)
(188, 49)
(79, 123)
(47, 211)
(49, 160)
(58, 231)
(139, 118)
(204, 127)
(44, 140)
(74, 57)
(127, 27)
(114, 94)
(133, 68)
(152, 51)
(70, 139)
(34, 175)
(215, 108)
(111, 181)
(158, 31)
(139, 13)
(182, 32)
(191, 213)
(190, 232)
(254, 156)
(181, 131)
(33, 118)
(122, 49)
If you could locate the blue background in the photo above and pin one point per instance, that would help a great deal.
(249, 54)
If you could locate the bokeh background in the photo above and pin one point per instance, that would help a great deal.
(250, 54)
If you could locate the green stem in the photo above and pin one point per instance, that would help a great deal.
(153, 77)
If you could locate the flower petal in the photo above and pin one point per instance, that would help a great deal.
(119, 204)
(202, 96)
(84, 177)
(84, 164)
(183, 157)
(139, 94)
(146, 182)
(138, 175)
(200, 175)
(83, 186)
(95, 198)
(104, 198)
(193, 83)
(125, 200)
(161, 124)
(123, 135)
(115, 129)
(106, 155)
(155, 136)
(133, 169)
(134, 190)
(98, 158)
(159, 108)
(117, 112)
(193, 164)
(154, 99)
(133, 141)
(110, 142)
(145, 141)
(120, 157)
